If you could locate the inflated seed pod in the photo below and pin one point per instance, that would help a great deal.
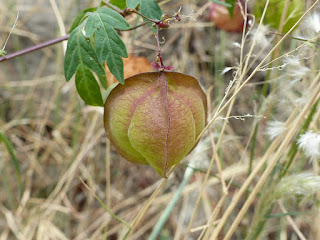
(155, 118)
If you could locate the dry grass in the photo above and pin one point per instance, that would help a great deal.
(75, 186)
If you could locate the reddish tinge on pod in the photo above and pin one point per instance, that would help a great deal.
(222, 19)
(155, 118)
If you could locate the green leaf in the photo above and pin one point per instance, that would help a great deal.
(273, 16)
(105, 16)
(10, 149)
(221, 3)
(150, 9)
(228, 4)
(119, 3)
(132, 3)
(231, 8)
(80, 51)
(107, 92)
(3, 52)
(79, 18)
(280, 215)
(109, 45)
(87, 86)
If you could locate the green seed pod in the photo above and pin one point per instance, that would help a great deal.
(155, 118)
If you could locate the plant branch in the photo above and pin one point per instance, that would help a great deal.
(34, 48)
(135, 27)
(145, 17)
(49, 43)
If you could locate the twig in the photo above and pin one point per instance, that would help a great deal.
(34, 48)
(135, 27)
(145, 17)
(13, 26)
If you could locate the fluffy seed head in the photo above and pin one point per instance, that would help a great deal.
(310, 144)
(305, 184)
(275, 128)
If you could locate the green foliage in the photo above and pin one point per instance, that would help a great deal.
(80, 17)
(107, 92)
(221, 3)
(119, 3)
(81, 51)
(132, 3)
(92, 42)
(87, 86)
(228, 3)
(3, 53)
(274, 13)
(231, 7)
(109, 45)
(150, 9)
(15, 161)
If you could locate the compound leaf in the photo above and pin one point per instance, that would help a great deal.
(79, 18)
(81, 51)
(108, 44)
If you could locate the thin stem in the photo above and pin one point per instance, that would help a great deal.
(135, 27)
(149, 19)
(13, 26)
(159, 48)
(49, 43)
(34, 48)
(295, 38)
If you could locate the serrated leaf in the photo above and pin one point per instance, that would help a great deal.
(132, 3)
(150, 9)
(103, 80)
(119, 3)
(80, 51)
(87, 86)
(109, 45)
(105, 16)
(78, 19)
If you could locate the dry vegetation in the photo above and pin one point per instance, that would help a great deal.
(247, 173)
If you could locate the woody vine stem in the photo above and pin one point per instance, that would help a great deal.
(163, 23)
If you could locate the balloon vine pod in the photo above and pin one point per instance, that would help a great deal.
(155, 118)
